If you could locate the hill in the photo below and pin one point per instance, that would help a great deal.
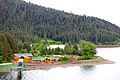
(29, 22)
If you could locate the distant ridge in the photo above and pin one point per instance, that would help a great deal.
(29, 22)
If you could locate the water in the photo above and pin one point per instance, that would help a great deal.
(9, 76)
(89, 72)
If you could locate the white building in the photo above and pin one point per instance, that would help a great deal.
(55, 46)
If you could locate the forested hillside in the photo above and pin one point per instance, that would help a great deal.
(28, 22)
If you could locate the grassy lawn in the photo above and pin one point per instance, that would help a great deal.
(5, 66)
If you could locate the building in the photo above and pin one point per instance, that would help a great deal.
(56, 46)
(25, 55)
(37, 60)
(43, 60)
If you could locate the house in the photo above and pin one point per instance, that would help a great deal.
(50, 59)
(44, 60)
(25, 55)
(56, 46)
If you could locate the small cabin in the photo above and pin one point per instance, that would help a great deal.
(25, 55)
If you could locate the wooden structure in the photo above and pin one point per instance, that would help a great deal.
(27, 56)
(42, 60)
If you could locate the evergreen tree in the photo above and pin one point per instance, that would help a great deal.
(75, 49)
(12, 42)
(5, 49)
(26, 46)
(68, 48)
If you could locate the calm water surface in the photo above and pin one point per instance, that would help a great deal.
(90, 72)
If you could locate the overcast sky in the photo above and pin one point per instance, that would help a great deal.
(104, 9)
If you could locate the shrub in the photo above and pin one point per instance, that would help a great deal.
(68, 48)
(1, 58)
(87, 49)
(64, 58)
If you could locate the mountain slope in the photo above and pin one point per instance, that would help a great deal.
(28, 22)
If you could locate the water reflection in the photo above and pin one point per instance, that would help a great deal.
(87, 67)
(2, 74)
(9, 76)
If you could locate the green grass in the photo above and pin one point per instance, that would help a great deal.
(51, 41)
(6, 67)
(42, 44)
(64, 58)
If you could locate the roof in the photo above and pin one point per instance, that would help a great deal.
(23, 54)
(37, 58)
(55, 46)
(52, 57)
(20, 60)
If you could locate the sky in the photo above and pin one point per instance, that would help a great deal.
(105, 9)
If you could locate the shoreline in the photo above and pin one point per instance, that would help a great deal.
(4, 71)
(97, 61)
(107, 46)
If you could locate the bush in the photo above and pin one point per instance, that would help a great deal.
(75, 50)
(68, 48)
(87, 49)
(1, 59)
(64, 58)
